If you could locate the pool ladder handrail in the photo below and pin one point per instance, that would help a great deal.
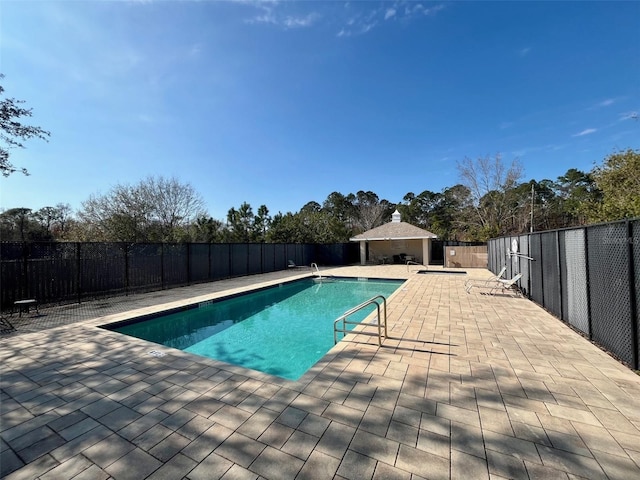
(319, 276)
(315, 265)
(411, 262)
(344, 318)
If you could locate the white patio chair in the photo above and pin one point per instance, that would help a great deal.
(481, 282)
(500, 285)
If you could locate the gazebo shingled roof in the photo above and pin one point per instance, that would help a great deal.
(394, 230)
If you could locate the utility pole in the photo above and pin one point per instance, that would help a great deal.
(532, 198)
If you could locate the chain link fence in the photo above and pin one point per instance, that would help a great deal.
(59, 273)
(589, 277)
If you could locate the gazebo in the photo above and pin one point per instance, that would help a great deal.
(395, 242)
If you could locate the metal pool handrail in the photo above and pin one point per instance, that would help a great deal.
(374, 300)
(315, 265)
(319, 276)
(411, 262)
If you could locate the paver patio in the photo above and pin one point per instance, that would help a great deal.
(467, 386)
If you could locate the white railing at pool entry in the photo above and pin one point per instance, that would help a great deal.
(411, 262)
(319, 277)
(380, 324)
(315, 265)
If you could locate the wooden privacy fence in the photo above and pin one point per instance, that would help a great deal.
(465, 256)
(66, 272)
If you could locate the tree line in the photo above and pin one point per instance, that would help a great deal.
(491, 200)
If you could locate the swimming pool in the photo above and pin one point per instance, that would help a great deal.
(282, 330)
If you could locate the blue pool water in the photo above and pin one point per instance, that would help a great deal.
(282, 330)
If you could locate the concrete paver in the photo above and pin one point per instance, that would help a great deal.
(466, 386)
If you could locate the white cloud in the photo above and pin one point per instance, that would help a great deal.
(270, 16)
(266, 17)
(267, 10)
(533, 149)
(368, 27)
(195, 50)
(586, 131)
(432, 10)
(607, 102)
(523, 52)
(356, 27)
(350, 18)
(299, 22)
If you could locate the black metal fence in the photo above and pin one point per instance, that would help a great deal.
(55, 272)
(589, 277)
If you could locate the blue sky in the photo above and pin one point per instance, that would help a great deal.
(281, 103)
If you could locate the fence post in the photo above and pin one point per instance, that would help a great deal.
(162, 266)
(586, 260)
(528, 254)
(541, 272)
(125, 250)
(78, 273)
(25, 272)
(559, 267)
(632, 295)
(189, 263)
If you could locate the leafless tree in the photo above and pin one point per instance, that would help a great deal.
(490, 183)
(156, 209)
(369, 210)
